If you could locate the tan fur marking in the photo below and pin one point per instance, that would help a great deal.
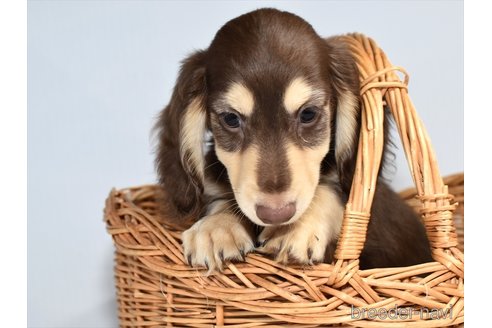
(241, 168)
(192, 136)
(297, 93)
(240, 98)
(305, 164)
(346, 123)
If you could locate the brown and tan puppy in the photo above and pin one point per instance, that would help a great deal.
(258, 145)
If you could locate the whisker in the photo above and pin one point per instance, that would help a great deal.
(210, 165)
(220, 175)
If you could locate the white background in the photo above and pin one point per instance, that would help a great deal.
(98, 74)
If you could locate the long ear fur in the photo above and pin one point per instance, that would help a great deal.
(345, 81)
(181, 129)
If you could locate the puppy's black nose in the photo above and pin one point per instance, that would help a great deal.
(279, 215)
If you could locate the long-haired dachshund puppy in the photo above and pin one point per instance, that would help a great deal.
(258, 146)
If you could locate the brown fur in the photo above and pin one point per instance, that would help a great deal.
(265, 50)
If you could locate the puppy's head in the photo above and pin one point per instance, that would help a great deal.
(282, 106)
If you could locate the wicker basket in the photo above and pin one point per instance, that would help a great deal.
(156, 288)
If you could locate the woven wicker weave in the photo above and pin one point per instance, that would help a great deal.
(156, 288)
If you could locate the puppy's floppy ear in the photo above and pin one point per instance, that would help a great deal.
(181, 129)
(345, 81)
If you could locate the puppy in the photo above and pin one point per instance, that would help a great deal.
(258, 148)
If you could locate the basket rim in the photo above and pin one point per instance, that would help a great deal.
(126, 215)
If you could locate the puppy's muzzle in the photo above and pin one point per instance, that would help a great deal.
(275, 215)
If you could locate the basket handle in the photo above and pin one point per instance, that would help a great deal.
(379, 85)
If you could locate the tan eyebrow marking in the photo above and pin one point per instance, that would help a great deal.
(298, 92)
(240, 98)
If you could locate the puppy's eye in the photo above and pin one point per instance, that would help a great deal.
(231, 120)
(308, 115)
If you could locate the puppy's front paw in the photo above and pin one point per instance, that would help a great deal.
(298, 243)
(215, 239)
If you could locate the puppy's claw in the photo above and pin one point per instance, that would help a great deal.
(310, 253)
(244, 252)
(261, 243)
